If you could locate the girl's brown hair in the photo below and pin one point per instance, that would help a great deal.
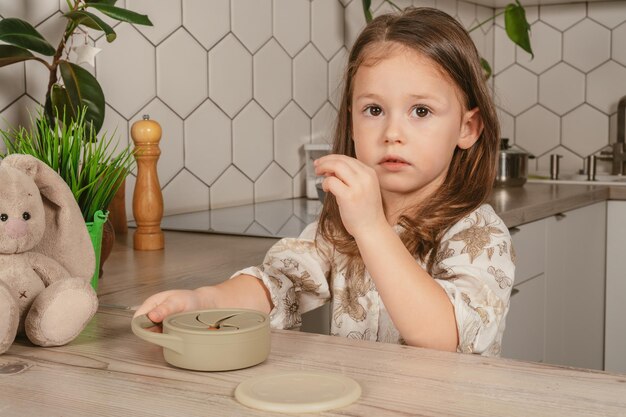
(437, 36)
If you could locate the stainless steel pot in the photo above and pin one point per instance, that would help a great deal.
(512, 166)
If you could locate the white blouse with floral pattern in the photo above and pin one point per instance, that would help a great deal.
(474, 265)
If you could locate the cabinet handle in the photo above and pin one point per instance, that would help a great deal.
(514, 291)
(560, 216)
(513, 230)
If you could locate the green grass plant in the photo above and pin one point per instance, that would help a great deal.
(92, 167)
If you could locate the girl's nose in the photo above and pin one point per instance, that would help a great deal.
(393, 132)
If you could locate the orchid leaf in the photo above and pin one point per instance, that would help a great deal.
(10, 54)
(486, 68)
(81, 17)
(61, 102)
(20, 33)
(109, 2)
(84, 91)
(123, 15)
(367, 4)
(516, 26)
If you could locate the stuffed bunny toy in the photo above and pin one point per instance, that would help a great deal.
(46, 256)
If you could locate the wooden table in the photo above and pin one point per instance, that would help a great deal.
(108, 371)
(189, 260)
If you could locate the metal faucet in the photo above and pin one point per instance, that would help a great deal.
(618, 154)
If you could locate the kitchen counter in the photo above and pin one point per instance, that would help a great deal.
(287, 218)
(107, 371)
(534, 201)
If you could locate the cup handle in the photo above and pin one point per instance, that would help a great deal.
(141, 323)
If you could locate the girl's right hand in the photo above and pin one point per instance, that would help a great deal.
(163, 304)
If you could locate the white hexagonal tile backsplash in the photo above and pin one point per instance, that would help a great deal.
(292, 24)
(33, 11)
(230, 75)
(240, 85)
(129, 86)
(585, 130)
(12, 83)
(537, 130)
(207, 21)
(252, 140)
(562, 88)
(252, 22)
(182, 89)
(272, 77)
(586, 45)
(208, 144)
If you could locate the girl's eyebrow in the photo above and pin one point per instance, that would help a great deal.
(376, 97)
(368, 96)
(425, 97)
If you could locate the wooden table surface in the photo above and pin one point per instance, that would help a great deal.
(189, 260)
(108, 371)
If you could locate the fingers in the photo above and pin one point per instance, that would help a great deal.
(161, 305)
(356, 177)
(345, 168)
(334, 186)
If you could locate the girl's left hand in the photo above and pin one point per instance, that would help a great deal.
(356, 189)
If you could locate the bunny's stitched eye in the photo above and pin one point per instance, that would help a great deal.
(4, 217)
(26, 215)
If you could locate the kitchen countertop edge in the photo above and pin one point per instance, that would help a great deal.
(535, 201)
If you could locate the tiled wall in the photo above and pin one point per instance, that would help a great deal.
(564, 101)
(239, 86)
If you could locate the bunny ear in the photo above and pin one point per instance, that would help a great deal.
(29, 165)
(66, 238)
(50, 184)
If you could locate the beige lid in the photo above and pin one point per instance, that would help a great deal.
(298, 392)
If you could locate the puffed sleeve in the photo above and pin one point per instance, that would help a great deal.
(295, 271)
(474, 265)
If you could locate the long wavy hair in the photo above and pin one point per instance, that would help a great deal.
(435, 35)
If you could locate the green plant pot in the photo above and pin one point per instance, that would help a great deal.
(95, 232)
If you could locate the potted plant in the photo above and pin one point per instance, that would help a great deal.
(79, 88)
(92, 167)
(65, 134)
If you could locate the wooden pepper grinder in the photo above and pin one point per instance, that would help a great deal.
(147, 197)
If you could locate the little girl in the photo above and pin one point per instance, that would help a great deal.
(405, 249)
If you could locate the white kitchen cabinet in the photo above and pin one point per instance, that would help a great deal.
(525, 323)
(529, 243)
(557, 310)
(575, 285)
(524, 336)
(615, 329)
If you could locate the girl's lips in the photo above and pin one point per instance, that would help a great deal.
(393, 159)
(394, 163)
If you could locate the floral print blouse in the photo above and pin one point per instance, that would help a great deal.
(474, 265)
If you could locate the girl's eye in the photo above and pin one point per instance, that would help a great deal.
(26, 215)
(4, 217)
(373, 110)
(420, 111)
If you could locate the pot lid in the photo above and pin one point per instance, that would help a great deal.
(216, 321)
(505, 148)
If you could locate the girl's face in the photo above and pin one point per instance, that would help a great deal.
(407, 119)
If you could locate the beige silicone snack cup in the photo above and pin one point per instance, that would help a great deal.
(210, 340)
